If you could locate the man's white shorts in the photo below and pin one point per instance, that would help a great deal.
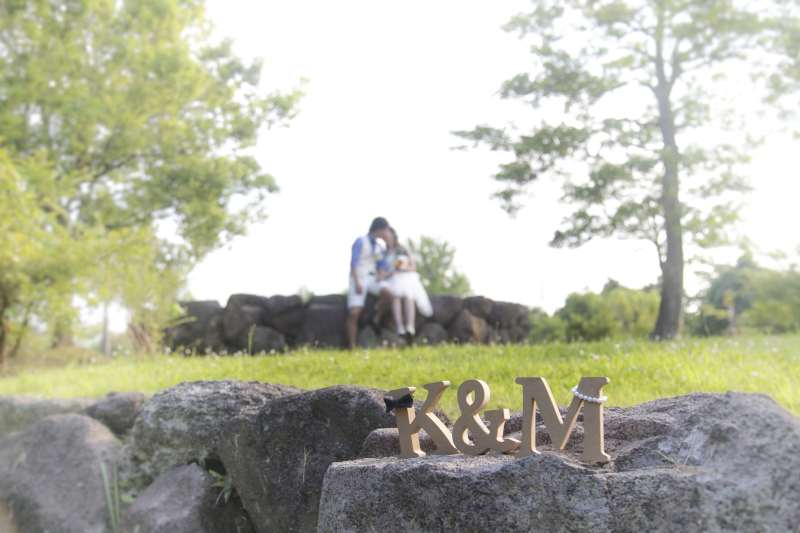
(369, 285)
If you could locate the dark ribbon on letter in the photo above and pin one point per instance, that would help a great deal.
(403, 401)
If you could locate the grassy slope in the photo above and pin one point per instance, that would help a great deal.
(639, 370)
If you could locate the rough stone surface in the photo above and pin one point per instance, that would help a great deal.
(264, 339)
(432, 333)
(201, 328)
(277, 460)
(385, 339)
(117, 411)
(329, 299)
(19, 412)
(239, 319)
(289, 322)
(694, 463)
(479, 306)
(183, 501)
(50, 478)
(182, 423)
(466, 327)
(278, 305)
(445, 308)
(323, 326)
(504, 315)
(385, 442)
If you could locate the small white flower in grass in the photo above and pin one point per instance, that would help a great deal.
(627, 355)
(366, 357)
(616, 346)
(127, 352)
(754, 374)
(498, 351)
(706, 372)
(170, 361)
(303, 369)
(679, 365)
(683, 378)
(581, 352)
(594, 356)
(399, 356)
(331, 359)
(187, 351)
(280, 364)
(272, 352)
(213, 365)
(167, 349)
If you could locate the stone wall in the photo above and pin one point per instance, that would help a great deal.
(260, 323)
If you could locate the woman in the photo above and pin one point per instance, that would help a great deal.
(406, 286)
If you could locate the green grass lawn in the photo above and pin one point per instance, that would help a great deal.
(639, 370)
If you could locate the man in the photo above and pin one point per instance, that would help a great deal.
(367, 276)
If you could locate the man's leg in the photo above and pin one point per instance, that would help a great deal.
(385, 298)
(351, 327)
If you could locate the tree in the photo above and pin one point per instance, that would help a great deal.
(140, 120)
(434, 259)
(629, 174)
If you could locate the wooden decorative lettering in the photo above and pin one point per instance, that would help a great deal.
(483, 439)
(535, 392)
(408, 425)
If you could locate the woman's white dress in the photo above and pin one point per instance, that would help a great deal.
(408, 285)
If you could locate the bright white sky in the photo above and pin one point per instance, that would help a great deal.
(388, 82)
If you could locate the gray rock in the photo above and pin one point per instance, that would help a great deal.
(278, 460)
(323, 326)
(479, 306)
(264, 339)
(329, 299)
(50, 479)
(432, 333)
(504, 315)
(699, 462)
(182, 423)
(289, 322)
(19, 412)
(385, 339)
(466, 327)
(117, 411)
(183, 501)
(278, 305)
(445, 308)
(238, 320)
(200, 329)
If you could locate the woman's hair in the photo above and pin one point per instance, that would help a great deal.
(394, 233)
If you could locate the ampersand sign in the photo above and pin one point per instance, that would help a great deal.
(484, 438)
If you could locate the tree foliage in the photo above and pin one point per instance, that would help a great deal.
(434, 259)
(649, 171)
(124, 118)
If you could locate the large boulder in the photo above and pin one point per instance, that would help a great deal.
(19, 412)
(277, 460)
(200, 329)
(183, 501)
(445, 308)
(182, 423)
(278, 305)
(263, 339)
(329, 299)
(504, 315)
(386, 338)
(117, 411)
(238, 320)
(466, 327)
(432, 333)
(479, 306)
(50, 476)
(694, 463)
(323, 326)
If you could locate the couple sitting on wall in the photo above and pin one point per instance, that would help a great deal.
(389, 274)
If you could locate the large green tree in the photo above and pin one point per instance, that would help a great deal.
(630, 88)
(142, 122)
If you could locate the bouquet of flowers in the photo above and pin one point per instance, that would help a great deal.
(401, 263)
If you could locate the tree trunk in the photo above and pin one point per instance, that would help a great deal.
(670, 314)
(3, 339)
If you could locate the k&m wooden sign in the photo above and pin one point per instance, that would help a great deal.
(535, 392)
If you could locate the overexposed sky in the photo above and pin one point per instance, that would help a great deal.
(388, 82)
